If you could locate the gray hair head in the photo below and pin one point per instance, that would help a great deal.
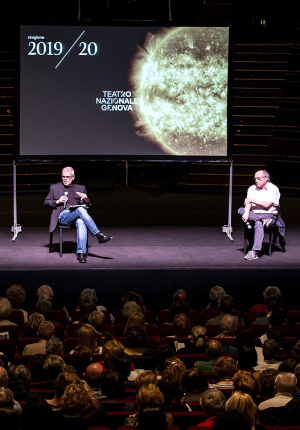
(5, 308)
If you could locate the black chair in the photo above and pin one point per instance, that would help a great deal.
(61, 228)
(272, 231)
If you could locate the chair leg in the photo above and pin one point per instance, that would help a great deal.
(50, 244)
(270, 243)
(60, 241)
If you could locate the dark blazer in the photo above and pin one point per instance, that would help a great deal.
(55, 192)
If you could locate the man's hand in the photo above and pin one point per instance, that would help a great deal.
(245, 217)
(82, 196)
(62, 199)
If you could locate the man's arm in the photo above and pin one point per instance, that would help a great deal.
(260, 204)
(50, 200)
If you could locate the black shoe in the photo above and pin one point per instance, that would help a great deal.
(102, 238)
(81, 257)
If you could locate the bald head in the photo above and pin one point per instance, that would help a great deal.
(3, 377)
(94, 373)
(213, 349)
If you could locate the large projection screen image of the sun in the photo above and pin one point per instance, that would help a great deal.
(134, 92)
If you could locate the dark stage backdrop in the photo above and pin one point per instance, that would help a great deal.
(136, 92)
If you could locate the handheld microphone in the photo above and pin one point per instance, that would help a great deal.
(248, 225)
(65, 202)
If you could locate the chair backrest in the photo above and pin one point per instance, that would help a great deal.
(213, 330)
(4, 358)
(69, 344)
(249, 316)
(7, 346)
(207, 314)
(59, 316)
(149, 316)
(73, 327)
(166, 329)
(13, 330)
(296, 331)
(226, 340)
(293, 317)
(119, 318)
(22, 359)
(17, 317)
(258, 329)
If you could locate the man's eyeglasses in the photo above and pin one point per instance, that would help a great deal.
(67, 177)
(257, 179)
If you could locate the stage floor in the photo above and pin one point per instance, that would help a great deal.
(143, 248)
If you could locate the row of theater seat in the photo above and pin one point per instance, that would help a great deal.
(164, 316)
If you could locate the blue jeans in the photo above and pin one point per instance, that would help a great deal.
(81, 219)
(258, 226)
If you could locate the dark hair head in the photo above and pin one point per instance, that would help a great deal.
(179, 307)
(121, 363)
(171, 392)
(182, 325)
(113, 385)
(19, 379)
(193, 381)
(273, 291)
(164, 351)
(35, 366)
(44, 307)
(9, 419)
(226, 304)
(132, 296)
(86, 307)
(232, 420)
(277, 317)
(267, 382)
(271, 303)
(39, 409)
(246, 383)
(136, 336)
(16, 295)
(270, 348)
(151, 418)
(150, 359)
(81, 359)
(288, 365)
(247, 357)
(62, 381)
(225, 367)
(179, 295)
(244, 338)
(276, 333)
(145, 378)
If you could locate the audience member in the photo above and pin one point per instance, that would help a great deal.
(212, 402)
(174, 368)
(269, 291)
(111, 348)
(135, 318)
(122, 363)
(35, 366)
(225, 305)
(3, 377)
(113, 388)
(31, 330)
(243, 402)
(131, 296)
(179, 307)
(224, 368)
(150, 359)
(146, 378)
(90, 294)
(130, 307)
(213, 349)
(45, 332)
(269, 350)
(151, 418)
(215, 294)
(228, 326)
(54, 346)
(81, 359)
(79, 400)
(5, 310)
(172, 395)
(9, 419)
(63, 380)
(53, 366)
(164, 351)
(7, 400)
(93, 376)
(88, 337)
(17, 298)
(285, 388)
(45, 293)
(19, 379)
(192, 384)
(198, 334)
(267, 382)
(247, 359)
(97, 320)
(288, 365)
(137, 337)
(232, 420)
(86, 307)
(272, 304)
(245, 382)
(44, 307)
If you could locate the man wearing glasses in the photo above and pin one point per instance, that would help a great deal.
(261, 206)
(70, 203)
